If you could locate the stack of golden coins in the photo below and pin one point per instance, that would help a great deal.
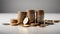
(43, 25)
(56, 21)
(49, 22)
(21, 16)
(40, 16)
(31, 16)
(13, 22)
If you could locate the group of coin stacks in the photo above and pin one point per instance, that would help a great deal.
(35, 18)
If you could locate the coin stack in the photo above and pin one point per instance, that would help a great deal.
(56, 21)
(49, 22)
(40, 16)
(31, 16)
(21, 16)
(13, 22)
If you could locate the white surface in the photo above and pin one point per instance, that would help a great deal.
(51, 29)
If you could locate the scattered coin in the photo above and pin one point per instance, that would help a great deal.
(33, 24)
(25, 21)
(26, 25)
(43, 25)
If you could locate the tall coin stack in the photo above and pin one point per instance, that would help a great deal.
(31, 16)
(21, 16)
(40, 16)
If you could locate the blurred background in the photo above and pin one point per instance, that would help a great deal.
(13, 6)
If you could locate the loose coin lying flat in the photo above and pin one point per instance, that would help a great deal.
(43, 25)
(26, 25)
(33, 24)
